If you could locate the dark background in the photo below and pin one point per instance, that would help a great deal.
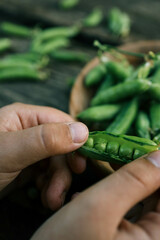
(21, 214)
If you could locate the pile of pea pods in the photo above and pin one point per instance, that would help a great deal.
(124, 113)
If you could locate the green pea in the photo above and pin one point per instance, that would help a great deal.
(100, 146)
(124, 119)
(119, 22)
(119, 148)
(99, 113)
(95, 75)
(69, 56)
(68, 4)
(121, 91)
(89, 142)
(94, 19)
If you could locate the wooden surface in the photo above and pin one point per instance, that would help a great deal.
(55, 92)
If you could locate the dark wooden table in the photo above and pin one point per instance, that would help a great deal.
(19, 215)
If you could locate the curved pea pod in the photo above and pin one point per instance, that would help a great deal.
(154, 91)
(95, 75)
(108, 82)
(94, 19)
(16, 30)
(68, 4)
(124, 119)
(114, 148)
(119, 70)
(99, 113)
(119, 22)
(5, 44)
(143, 125)
(156, 139)
(155, 117)
(69, 56)
(121, 91)
(57, 43)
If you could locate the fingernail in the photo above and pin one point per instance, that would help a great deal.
(79, 132)
(154, 158)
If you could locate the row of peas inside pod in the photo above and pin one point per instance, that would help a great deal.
(124, 112)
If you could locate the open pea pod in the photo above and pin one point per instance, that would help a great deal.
(114, 148)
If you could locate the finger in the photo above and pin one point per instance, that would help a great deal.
(77, 163)
(32, 115)
(126, 187)
(38, 143)
(54, 193)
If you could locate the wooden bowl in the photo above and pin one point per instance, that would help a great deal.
(80, 95)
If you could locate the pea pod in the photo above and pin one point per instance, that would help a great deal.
(108, 82)
(154, 91)
(15, 29)
(124, 119)
(5, 44)
(69, 56)
(143, 125)
(156, 139)
(121, 91)
(114, 148)
(156, 77)
(155, 117)
(119, 70)
(68, 4)
(99, 113)
(95, 75)
(119, 22)
(94, 19)
(9, 63)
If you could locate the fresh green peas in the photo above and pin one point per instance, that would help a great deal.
(116, 148)
(121, 91)
(108, 82)
(156, 139)
(11, 63)
(94, 19)
(68, 4)
(156, 77)
(95, 75)
(154, 91)
(143, 125)
(118, 70)
(119, 23)
(16, 30)
(5, 44)
(99, 113)
(69, 56)
(124, 119)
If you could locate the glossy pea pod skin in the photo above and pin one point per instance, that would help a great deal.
(119, 70)
(99, 113)
(154, 91)
(16, 30)
(156, 76)
(124, 119)
(94, 19)
(95, 75)
(113, 148)
(143, 125)
(5, 44)
(69, 56)
(107, 82)
(155, 117)
(121, 91)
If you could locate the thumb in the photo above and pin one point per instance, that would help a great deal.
(23, 148)
(130, 184)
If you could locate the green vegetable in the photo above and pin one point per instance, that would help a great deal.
(95, 75)
(94, 19)
(99, 113)
(68, 4)
(155, 91)
(121, 91)
(16, 30)
(119, 22)
(108, 82)
(124, 119)
(69, 56)
(5, 44)
(143, 125)
(119, 70)
(155, 117)
(116, 148)
(156, 77)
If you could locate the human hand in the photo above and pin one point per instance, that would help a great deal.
(98, 213)
(29, 134)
